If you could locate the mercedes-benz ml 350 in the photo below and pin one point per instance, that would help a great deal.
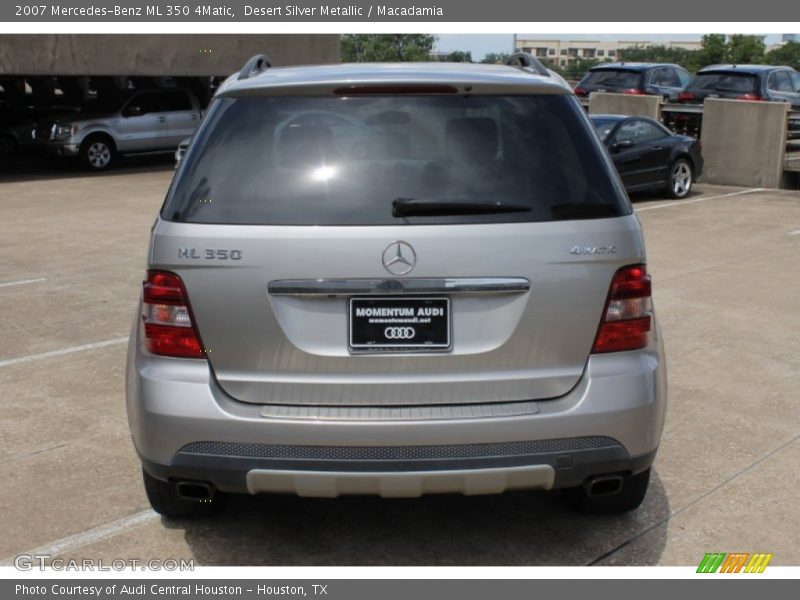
(395, 279)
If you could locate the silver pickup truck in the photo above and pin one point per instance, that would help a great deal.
(148, 121)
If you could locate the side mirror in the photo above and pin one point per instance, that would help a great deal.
(133, 111)
(622, 145)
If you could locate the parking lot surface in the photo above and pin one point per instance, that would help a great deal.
(724, 266)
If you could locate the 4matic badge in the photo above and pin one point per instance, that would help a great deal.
(590, 250)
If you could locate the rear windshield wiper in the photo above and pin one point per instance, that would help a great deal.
(406, 207)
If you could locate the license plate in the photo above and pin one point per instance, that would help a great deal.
(418, 324)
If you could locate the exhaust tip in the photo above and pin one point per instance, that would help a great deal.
(195, 491)
(604, 485)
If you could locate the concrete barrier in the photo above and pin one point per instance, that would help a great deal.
(744, 143)
(601, 103)
(157, 55)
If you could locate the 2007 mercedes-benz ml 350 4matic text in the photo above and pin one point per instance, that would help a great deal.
(396, 280)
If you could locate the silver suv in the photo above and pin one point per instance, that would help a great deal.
(149, 121)
(395, 279)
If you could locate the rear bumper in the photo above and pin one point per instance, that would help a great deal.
(486, 475)
(185, 427)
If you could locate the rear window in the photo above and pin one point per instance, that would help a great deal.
(328, 160)
(725, 82)
(613, 78)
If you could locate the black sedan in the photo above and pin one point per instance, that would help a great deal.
(648, 155)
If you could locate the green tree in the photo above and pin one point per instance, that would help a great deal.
(745, 49)
(713, 50)
(495, 58)
(460, 56)
(788, 54)
(387, 47)
(578, 67)
(679, 56)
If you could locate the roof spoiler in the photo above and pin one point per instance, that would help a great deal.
(255, 66)
(526, 62)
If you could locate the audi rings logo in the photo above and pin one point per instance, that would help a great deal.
(399, 333)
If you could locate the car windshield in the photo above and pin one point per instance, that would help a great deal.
(106, 102)
(604, 126)
(725, 82)
(613, 78)
(329, 160)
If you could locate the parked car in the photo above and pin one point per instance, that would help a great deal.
(18, 122)
(395, 280)
(744, 82)
(145, 122)
(747, 82)
(15, 130)
(649, 156)
(653, 79)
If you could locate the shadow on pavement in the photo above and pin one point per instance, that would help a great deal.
(638, 198)
(521, 528)
(23, 168)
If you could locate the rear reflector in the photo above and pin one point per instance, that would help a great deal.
(628, 313)
(168, 326)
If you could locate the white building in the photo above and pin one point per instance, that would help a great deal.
(561, 52)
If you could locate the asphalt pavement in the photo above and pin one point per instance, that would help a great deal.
(726, 287)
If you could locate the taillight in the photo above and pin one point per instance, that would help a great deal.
(628, 314)
(579, 91)
(750, 97)
(686, 97)
(634, 92)
(168, 326)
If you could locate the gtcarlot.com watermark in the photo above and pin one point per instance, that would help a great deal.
(42, 562)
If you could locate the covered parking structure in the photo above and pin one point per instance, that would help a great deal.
(51, 73)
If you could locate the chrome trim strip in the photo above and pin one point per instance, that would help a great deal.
(400, 413)
(411, 285)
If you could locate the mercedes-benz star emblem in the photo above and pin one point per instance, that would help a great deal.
(399, 258)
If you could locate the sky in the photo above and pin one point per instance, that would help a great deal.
(482, 44)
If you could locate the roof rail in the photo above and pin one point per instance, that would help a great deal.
(525, 61)
(256, 65)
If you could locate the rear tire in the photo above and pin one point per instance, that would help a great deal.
(630, 497)
(98, 152)
(164, 498)
(680, 179)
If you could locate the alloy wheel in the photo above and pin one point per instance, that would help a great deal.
(99, 155)
(681, 179)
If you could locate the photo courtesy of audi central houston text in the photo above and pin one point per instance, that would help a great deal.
(400, 299)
